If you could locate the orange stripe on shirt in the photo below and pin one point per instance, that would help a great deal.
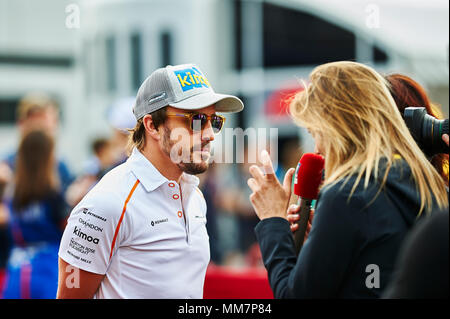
(121, 217)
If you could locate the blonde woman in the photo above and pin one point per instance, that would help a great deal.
(377, 184)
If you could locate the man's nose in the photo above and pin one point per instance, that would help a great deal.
(208, 132)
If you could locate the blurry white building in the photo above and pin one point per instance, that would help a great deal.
(249, 48)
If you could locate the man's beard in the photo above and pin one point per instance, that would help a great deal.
(188, 165)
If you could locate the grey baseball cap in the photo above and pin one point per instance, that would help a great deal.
(182, 86)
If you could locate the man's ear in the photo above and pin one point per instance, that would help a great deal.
(150, 127)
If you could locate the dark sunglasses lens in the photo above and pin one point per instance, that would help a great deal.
(198, 122)
(216, 123)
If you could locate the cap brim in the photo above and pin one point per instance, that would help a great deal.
(224, 103)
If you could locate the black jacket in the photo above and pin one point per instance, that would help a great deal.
(349, 241)
(422, 268)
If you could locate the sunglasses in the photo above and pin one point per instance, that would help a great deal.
(198, 121)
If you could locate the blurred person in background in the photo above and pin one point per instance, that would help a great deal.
(209, 187)
(236, 210)
(290, 153)
(241, 247)
(102, 158)
(377, 183)
(4, 244)
(408, 93)
(37, 214)
(5, 177)
(121, 120)
(39, 111)
(227, 220)
(34, 111)
(107, 152)
(101, 161)
(422, 268)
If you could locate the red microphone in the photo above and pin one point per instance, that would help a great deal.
(308, 177)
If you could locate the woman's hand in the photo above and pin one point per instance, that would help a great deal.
(293, 217)
(269, 197)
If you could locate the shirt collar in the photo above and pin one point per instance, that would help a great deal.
(189, 179)
(149, 176)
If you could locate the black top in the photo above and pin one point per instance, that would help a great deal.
(351, 242)
(422, 270)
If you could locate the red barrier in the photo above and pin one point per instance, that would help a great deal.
(2, 281)
(236, 283)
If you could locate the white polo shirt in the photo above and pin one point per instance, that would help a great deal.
(147, 234)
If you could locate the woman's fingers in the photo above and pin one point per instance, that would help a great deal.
(293, 209)
(267, 164)
(257, 174)
(287, 182)
(269, 198)
(292, 218)
(253, 184)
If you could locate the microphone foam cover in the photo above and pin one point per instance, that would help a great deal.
(309, 175)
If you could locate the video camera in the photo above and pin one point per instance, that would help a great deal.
(426, 130)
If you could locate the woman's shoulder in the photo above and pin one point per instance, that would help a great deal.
(341, 189)
(399, 173)
(339, 198)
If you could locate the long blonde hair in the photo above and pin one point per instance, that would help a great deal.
(349, 105)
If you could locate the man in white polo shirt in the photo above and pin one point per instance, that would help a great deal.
(140, 232)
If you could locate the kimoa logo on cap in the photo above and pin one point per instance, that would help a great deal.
(191, 78)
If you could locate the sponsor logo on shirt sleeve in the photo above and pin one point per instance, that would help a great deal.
(86, 211)
(87, 224)
(78, 232)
